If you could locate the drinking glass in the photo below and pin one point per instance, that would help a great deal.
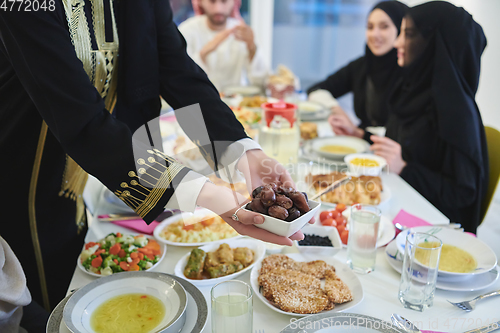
(232, 307)
(420, 271)
(362, 243)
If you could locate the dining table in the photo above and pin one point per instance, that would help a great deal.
(380, 287)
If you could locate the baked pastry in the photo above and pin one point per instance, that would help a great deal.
(308, 131)
(363, 189)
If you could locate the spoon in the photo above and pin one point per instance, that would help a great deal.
(404, 324)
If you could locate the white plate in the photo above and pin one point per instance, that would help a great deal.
(341, 322)
(163, 252)
(257, 247)
(243, 90)
(342, 270)
(386, 230)
(78, 310)
(198, 212)
(475, 282)
(312, 111)
(359, 145)
(484, 255)
(196, 311)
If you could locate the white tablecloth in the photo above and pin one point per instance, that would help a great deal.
(380, 287)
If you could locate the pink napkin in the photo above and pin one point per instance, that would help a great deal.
(138, 225)
(408, 220)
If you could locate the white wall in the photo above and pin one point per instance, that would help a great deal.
(485, 12)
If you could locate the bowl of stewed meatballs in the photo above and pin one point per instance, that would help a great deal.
(285, 210)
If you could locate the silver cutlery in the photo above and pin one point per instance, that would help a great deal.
(404, 324)
(470, 305)
(332, 187)
(409, 327)
(134, 216)
(455, 226)
(486, 329)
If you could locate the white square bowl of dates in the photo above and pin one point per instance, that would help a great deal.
(285, 210)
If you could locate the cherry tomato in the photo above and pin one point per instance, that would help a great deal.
(344, 236)
(340, 207)
(341, 220)
(329, 223)
(335, 214)
(325, 215)
(340, 228)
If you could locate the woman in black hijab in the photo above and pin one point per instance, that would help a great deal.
(370, 77)
(435, 136)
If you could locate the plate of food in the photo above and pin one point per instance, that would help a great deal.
(218, 262)
(477, 282)
(312, 111)
(338, 147)
(242, 90)
(196, 311)
(462, 255)
(120, 253)
(363, 189)
(145, 301)
(194, 229)
(318, 284)
(339, 218)
(253, 102)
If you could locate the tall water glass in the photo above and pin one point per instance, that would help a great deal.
(420, 271)
(232, 307)
(362, 243)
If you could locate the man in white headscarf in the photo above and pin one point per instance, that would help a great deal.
(220, 42)
(14, 293)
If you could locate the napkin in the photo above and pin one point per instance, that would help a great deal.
(408, 220)
(138, 225)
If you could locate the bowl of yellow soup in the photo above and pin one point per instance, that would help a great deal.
(365, 164)
(338, 147)
(462, 255)
(129, 302)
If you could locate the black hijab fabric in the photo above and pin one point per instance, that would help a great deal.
(383, 70)
(448, 73)
(435, 113)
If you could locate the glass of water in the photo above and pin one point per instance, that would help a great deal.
(420, 271)
(362, 243)
(232, 307)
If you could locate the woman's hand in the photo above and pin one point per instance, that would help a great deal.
(390, 150)
(225, 202)
(258, 169)
(342, 125)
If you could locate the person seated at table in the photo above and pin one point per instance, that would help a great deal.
(435, 136)
(222, 44)
(18, 312)
(370, 77)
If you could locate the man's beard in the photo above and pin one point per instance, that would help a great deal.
(218, 19)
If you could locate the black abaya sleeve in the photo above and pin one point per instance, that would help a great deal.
(342, 81)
